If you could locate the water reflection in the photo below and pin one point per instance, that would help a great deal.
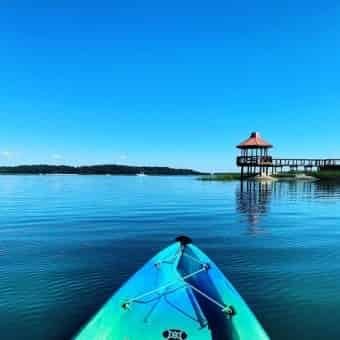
(327, 190)
(252, 200)
(44, 217)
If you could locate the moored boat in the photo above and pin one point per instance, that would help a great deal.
(141, 174)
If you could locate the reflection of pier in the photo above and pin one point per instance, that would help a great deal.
(255, 159)
(253, 198)
(257, 202)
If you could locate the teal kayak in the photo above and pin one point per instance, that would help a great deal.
(179, 294)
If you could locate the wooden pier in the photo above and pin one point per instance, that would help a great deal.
(255, 159)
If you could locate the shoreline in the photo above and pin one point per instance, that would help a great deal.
(320, 176)
(103, 169)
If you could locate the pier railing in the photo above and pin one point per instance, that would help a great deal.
(254, 160)
(268, 161)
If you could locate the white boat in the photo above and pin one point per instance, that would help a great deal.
(141, 174)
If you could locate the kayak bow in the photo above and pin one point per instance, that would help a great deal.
(179, 294)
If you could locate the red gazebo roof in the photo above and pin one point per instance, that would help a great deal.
(254, 141)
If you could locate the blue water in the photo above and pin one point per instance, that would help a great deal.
(67, 242)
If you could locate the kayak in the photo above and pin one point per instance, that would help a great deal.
(180, 294)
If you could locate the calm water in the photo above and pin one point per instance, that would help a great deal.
(67, 242)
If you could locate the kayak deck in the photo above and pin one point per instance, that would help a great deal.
(179, 294)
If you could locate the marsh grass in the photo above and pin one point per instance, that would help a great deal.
(327, 175)
(225, 177)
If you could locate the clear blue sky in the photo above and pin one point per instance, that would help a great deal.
(175, 83)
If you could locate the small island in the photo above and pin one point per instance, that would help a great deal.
(105, 169)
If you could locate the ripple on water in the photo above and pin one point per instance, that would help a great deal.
(67, 242)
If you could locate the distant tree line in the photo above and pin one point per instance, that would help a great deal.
(106, 169)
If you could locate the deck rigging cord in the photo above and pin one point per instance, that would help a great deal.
(156, 290)
(228, 310)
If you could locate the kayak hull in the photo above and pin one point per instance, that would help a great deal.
(179, 294)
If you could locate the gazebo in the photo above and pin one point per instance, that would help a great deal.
(254, 155)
